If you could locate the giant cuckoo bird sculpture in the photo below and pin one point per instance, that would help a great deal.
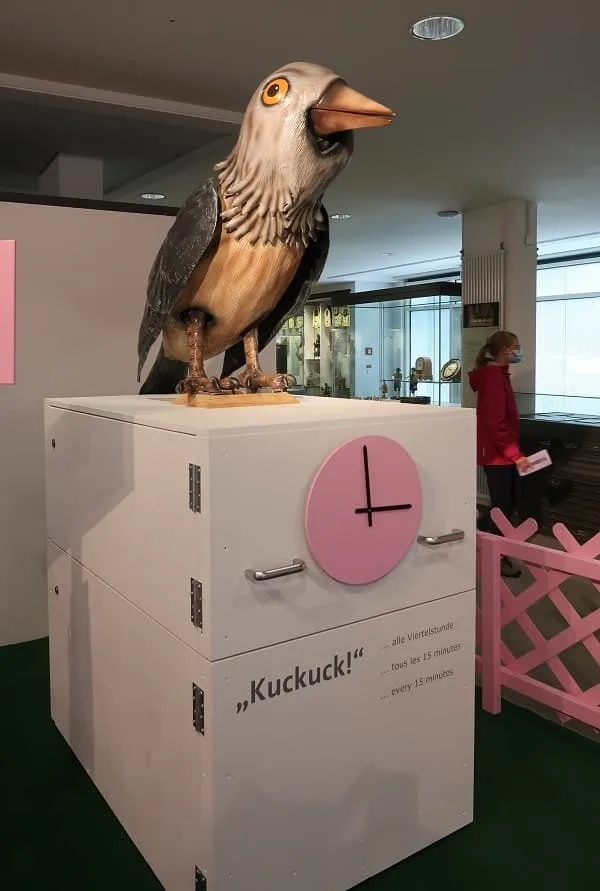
(246, 246)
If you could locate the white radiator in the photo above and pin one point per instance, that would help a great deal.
(483, 278)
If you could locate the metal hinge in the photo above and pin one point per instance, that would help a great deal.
(194, 488)
(198, 712)
(200, 880)
(196, 602)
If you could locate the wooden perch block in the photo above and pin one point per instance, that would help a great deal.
(236, 400)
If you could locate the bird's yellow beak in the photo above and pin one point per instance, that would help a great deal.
(342, 108)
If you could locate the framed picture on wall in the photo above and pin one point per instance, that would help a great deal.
(480, 321)
(7, 312)
(481, 315)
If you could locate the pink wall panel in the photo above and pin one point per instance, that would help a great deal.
(7, 312)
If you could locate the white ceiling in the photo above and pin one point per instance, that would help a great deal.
(508, 109)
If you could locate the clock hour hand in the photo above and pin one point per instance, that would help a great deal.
(384, 507)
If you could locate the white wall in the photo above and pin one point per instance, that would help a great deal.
(367, 335)
(368, 332)
(81, 278)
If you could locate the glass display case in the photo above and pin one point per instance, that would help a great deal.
(422, 349)
(544, 406)
(318, 349)
(289, 348)
(568, 491)
(404, 345)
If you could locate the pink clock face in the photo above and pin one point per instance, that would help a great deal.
(363, 510)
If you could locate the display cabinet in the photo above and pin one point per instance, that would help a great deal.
(328, 350)
(271, 693)
(401, 343)
(569, 490)
(421, 349)
(317, 347)
(289, 348)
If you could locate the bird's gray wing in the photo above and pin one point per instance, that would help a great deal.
(308, 273)
(184, 245)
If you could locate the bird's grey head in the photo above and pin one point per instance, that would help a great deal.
(296, 137)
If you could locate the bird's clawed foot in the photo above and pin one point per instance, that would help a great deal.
(229, 383)
(193, 385)
(256, 379)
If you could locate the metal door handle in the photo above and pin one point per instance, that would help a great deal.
(433, 540)
(263, 575)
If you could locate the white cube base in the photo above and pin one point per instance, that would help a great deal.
(331, 736)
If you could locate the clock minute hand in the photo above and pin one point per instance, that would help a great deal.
(368, 509)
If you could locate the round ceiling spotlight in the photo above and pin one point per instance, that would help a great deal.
(153, 196)
(448, 214)
(437, 27)
(340, 216)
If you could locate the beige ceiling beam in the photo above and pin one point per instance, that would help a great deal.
(29, 87)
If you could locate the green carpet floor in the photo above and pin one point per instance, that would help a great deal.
(536, 823)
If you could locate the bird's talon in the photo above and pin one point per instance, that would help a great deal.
(258, 380)
(250, 384)
(191, 386)
(230, 384)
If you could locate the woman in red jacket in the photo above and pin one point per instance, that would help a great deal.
(498, 450)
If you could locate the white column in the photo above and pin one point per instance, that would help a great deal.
(510, 228)
(70, 176)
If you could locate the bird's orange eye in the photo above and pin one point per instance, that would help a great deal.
(275, 91)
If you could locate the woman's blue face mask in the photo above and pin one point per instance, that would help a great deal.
(516, 356)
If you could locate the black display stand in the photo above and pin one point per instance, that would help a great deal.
(569, 491)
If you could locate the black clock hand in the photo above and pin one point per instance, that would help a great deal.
(368, 509)
(385, 507)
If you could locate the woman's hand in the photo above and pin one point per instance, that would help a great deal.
(523, 463)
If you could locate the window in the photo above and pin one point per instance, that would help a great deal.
(567, 332)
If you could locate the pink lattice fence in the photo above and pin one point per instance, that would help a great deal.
(498, 665)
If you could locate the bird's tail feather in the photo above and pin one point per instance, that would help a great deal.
(164, 376)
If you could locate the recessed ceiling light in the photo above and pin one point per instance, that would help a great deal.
(340, 216)
(447, 214)
(437, 27)
(153, 196)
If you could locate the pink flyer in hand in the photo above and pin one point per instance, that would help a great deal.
(7, 312)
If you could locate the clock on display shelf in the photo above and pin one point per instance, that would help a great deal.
(363, 510)
(424, 368)
(450, 372)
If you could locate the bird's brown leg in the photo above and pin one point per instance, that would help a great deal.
(196, 380)
(254, 378)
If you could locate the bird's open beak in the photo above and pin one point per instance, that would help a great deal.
(342, 108)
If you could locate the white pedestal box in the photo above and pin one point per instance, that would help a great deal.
(250, 729)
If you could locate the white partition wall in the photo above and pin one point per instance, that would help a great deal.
(80, 279)
(80, 285)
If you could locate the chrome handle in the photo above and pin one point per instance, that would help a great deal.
(433, 540)
(263, 575)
